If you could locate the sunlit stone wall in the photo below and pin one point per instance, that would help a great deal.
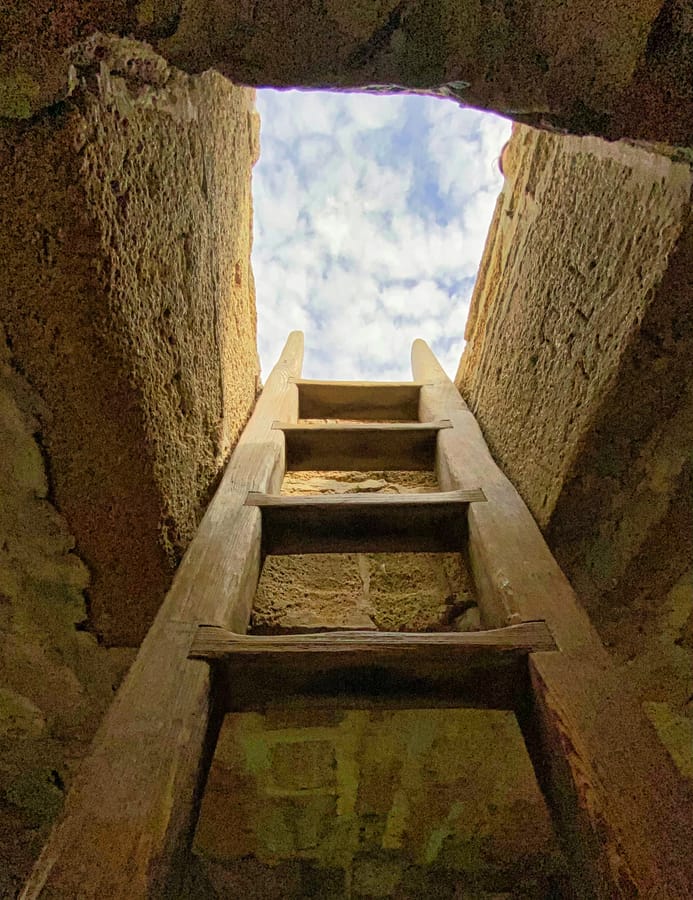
(578, 368)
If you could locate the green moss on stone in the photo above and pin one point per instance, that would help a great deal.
(600, 559)
(675, 732)
(17, 93)
(19, 717)
(38, 793)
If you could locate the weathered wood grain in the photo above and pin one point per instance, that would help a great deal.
(366, 400)
(214, 642)
(386, 501)
(373, 669)
(128, 819)
(624, 812)
(364, 523)
(361, 447)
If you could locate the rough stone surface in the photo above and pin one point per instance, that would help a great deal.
(577, 366)
(623, 68)
(128, 302)
(55, 679)
(579, 246)
(384, 591)
(406, 804)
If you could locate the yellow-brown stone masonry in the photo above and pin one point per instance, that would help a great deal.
(128, 301)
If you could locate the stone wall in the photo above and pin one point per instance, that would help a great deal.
(622, 68)
(128, 302)
(577, 367)
(128, 367)
(409, 804)
(55, 679)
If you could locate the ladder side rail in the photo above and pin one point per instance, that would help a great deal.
(623, 811)
(129, 817)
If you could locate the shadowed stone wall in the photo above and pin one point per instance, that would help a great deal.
(55, 679)
(407, 804)
(623, 68)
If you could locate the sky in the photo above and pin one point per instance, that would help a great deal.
(370, 217)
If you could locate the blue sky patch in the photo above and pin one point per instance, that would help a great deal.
(371, 215)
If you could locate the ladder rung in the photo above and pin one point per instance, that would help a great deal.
(364, 523)
(369, 400)
(215, 642)
(347, 669)
(361, 447)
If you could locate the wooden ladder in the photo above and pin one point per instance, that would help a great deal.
(622, 811)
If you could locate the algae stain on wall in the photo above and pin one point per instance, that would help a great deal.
(17, 94)
(379, 795)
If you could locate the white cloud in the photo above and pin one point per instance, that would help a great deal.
(424, 298)
(371, 214)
